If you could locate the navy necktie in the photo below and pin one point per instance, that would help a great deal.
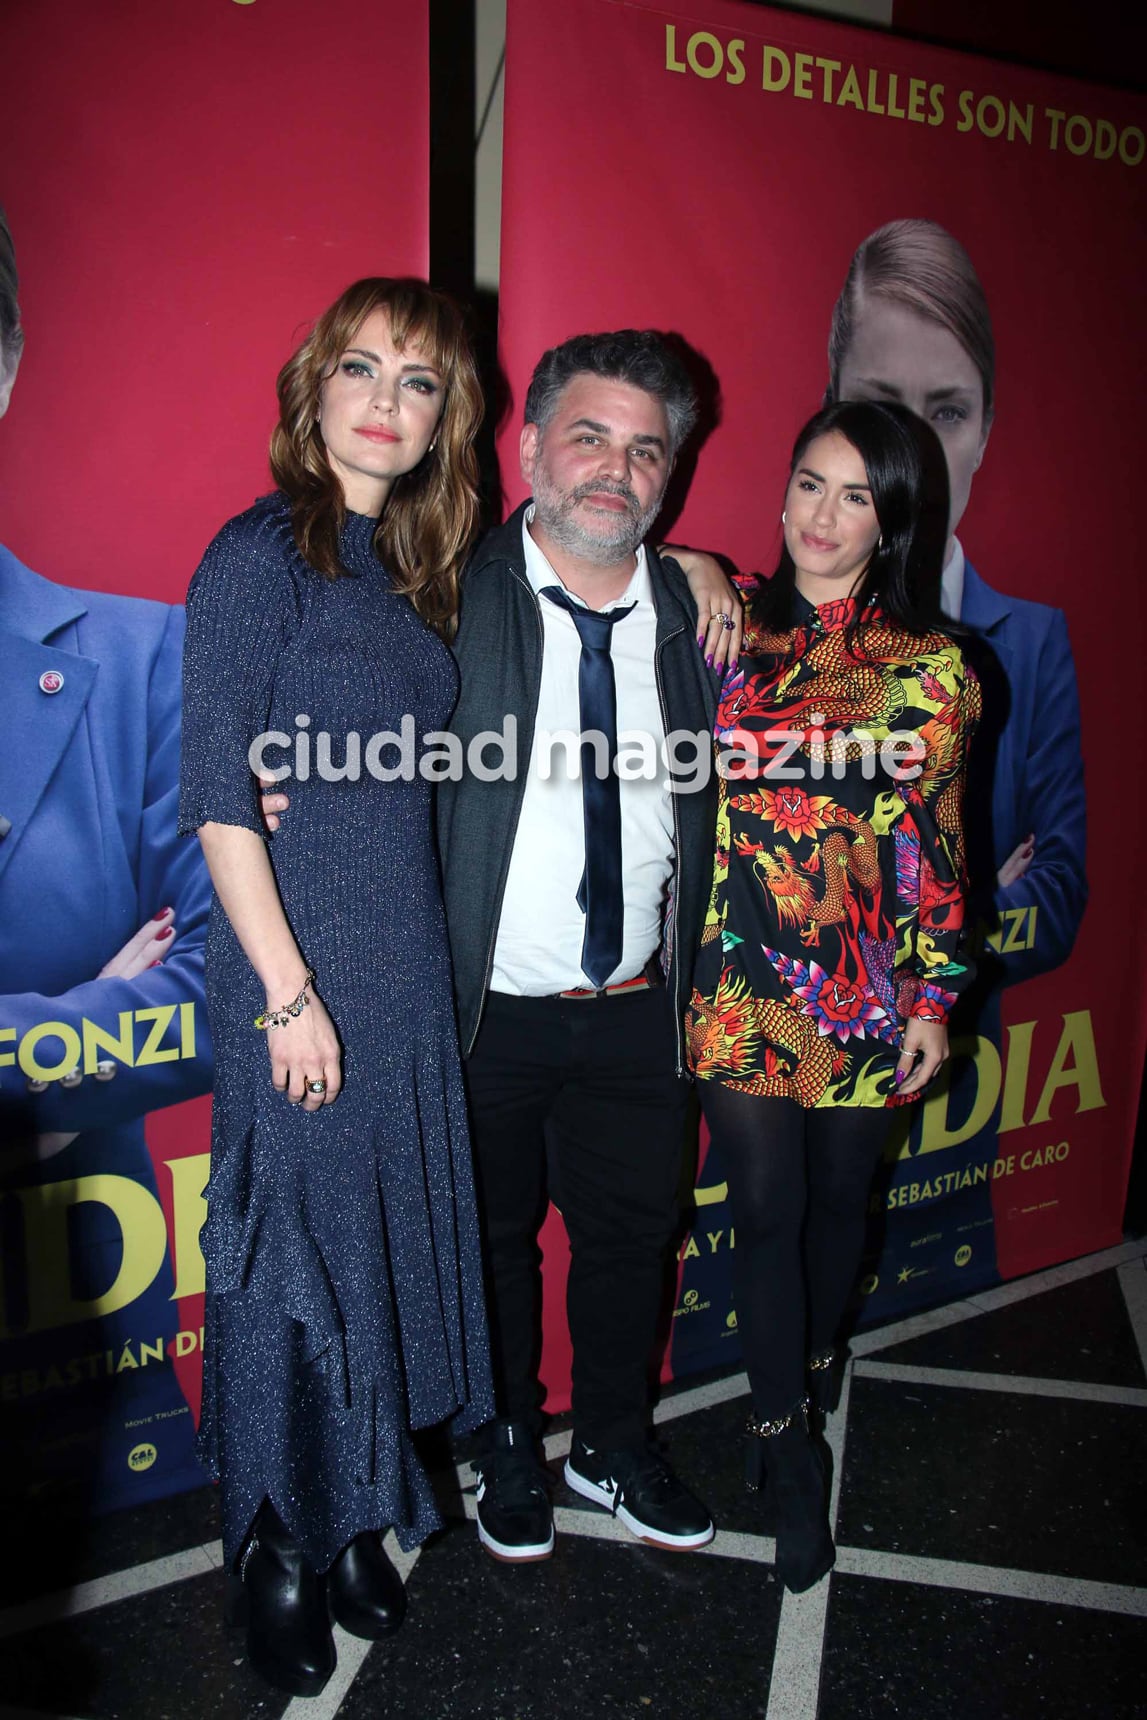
(599, 894)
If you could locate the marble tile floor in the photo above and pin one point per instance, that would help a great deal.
(990, 1504)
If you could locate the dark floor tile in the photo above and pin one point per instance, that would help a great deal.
(1079, 1331)
(1038, 1484)
(913, 1653)
(598, 1630)
(159, 1656)
(56, 1551)
(703, 1377)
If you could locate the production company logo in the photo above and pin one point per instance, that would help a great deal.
(141, 1457)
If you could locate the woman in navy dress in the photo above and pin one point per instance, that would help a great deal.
(344, 1299)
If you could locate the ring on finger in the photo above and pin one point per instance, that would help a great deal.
(726, 621)
(318, 1086)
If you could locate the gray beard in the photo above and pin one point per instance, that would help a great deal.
(554, 511)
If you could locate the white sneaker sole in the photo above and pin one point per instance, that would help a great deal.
(602, 1495)
(529, 1554)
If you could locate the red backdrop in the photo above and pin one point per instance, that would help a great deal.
(710, 171)
(187, 185)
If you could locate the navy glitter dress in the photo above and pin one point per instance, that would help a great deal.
(344, 1294)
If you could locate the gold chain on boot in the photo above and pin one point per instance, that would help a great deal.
(821, 1364)
(766, 1429)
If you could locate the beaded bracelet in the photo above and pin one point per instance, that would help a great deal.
(282, 1017)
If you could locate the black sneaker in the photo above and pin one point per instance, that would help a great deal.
(515, 1517)
(639, 1487)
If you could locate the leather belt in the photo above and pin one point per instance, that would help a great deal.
(641, 983)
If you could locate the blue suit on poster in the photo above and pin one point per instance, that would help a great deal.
(89, 774)
(1027, 767)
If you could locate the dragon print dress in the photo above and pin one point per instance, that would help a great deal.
(836, 907)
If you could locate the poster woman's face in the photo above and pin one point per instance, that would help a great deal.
(897, 354)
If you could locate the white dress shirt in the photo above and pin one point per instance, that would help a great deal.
(540, 933)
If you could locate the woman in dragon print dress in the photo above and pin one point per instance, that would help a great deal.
(830, 957)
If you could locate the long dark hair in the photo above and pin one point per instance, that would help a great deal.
(903, 573)
(431, 517)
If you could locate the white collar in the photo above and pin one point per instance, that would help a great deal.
(952, 583)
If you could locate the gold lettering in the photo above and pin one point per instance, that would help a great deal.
(1013, 920)
(894, 112)
(990, 116)
(188, 1181)
(46, 1208)
(705, 69)
(96, 1039)
(850, 95)
(713, 1195)
(1016, 1075)
(872, 104)
(775, 71)
(161, 1018)
(935, 1135)
(187, 1030)
(828, 67)
(30, 1064)
(1020, 124)
(1077, 1041)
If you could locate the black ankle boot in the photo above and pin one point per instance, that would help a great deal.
(798, 1493)
(284, 1604)
(367, 1595)
(825, 1377)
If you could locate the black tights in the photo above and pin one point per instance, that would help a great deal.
(798, 1189)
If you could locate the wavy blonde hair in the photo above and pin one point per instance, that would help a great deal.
(431, 516)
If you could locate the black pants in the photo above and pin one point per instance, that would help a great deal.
(798, 1188)
(597, 1076)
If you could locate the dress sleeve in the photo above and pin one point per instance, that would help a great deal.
(941, 965)
(243, 612)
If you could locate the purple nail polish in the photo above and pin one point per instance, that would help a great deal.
(709, 661)
(900, 1074)
(700, 639)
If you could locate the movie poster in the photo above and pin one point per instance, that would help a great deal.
(714, 171)
(186, 187)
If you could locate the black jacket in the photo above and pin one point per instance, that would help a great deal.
(499, 651)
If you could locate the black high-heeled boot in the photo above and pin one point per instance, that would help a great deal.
(283, 1603)
(825, 1377)
(798, 1493)
(367, 1595)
